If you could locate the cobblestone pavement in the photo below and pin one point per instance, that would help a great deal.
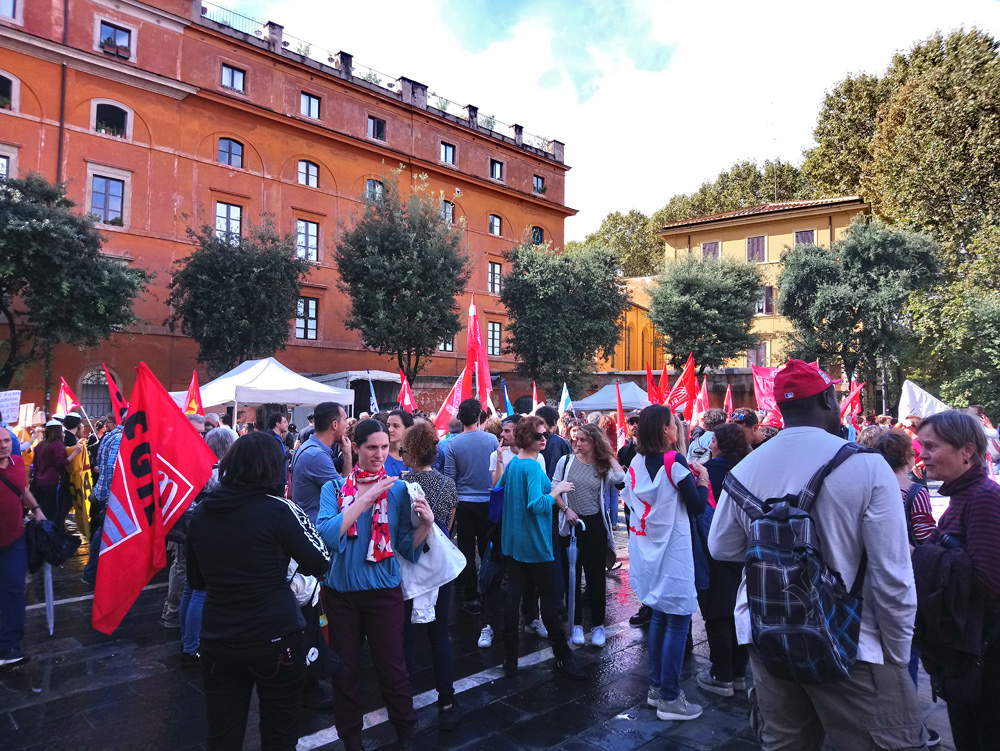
(84, 690)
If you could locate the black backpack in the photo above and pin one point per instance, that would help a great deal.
(805, 623)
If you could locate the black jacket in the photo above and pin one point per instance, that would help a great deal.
(238, 547)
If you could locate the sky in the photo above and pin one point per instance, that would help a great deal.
(651, 97)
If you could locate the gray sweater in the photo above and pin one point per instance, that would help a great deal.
(467, 462)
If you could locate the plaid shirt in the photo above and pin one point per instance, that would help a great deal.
(107, 455)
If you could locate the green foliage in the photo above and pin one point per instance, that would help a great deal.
(236, 296)
(564, 309)
(55, 286)
(848, 303)
(630, 236)
(706, 308)
(402, 267)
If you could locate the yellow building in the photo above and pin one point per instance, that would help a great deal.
(760, 235)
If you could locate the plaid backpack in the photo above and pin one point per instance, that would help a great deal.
(805, 622)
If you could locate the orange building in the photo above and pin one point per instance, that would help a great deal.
(159, 118)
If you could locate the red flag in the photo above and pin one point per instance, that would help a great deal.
(727, 403)
(700, 403)
(851, 404)
(450, 407)
(763, 388)
(620, 417)
(535, 402)
(162, 465)
(663, 388)
(651, 391)
(406, 400)
(66, 401)
(684, 392)
(476, 360)
(192, 402)
(118, 402)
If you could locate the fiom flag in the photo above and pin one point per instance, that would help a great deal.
(620, 417)
(66, 401)
(476, 360)
(450, 407)
(162, 465)
(663, 388)
(565, 403)
(372, 401)
(652, 392)
(192, 402)
(684, 392)
(763, 388)
(406, 400)
(118, 404)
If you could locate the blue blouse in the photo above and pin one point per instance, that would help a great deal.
(394, 467)
(349, 569)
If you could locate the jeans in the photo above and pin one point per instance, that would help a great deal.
(231, 671)
(440, 640)
(473, 533)
(13, 571)
(543, 575)
(667, 636)
(192, 607)
(591, 546)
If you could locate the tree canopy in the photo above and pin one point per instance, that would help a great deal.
(632, 239)
(706, 308)
(236, 296)
(402, 267)
(565, 309)
(55, 284)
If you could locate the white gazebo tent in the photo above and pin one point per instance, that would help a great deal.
(266, 381)
(605, 399)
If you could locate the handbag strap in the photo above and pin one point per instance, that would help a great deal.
(13, 488)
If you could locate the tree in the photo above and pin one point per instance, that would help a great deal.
(564, 309)
(55, 285)
(235, 296)
(630, 236)
(402, 267)
(707, 309)
(848, 303)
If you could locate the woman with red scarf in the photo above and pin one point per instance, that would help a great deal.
(365, 531)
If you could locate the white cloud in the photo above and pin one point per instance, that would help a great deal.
(745, 81)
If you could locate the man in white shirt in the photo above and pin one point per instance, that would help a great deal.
(858, 511)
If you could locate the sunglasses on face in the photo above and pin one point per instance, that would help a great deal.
(541, 436)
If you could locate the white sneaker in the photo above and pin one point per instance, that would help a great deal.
(653, 697)
(486, 637)
(539, 628)
(597, 637)
(577, 637)
(678, 709)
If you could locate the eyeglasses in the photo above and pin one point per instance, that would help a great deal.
(540, 436)
(739, 417)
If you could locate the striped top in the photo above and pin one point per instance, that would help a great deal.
(973, 514)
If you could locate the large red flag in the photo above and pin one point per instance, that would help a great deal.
(700, 403)
(162, 465)
(727, 402)
(620, 417)
(192, 402)
(66, 401)
(476, 360)
(763, 388)
(118, 402)
(406, 400)
(651, 391)
(684, 392)
(663, 388)
(450, 407)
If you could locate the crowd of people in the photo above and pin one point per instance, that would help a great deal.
(298, 549)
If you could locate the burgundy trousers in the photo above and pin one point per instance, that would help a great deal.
(376, 614)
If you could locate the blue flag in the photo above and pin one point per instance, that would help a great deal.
(372, 401)
(506, 400)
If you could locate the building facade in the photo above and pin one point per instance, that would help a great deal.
(181, 114)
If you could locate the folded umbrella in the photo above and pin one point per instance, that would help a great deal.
(571, 555)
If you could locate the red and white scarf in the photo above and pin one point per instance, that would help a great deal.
(380, 545)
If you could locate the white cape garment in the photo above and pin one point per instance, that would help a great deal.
(661, 560)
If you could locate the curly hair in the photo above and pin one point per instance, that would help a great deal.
(896, 447)
(602, 448)
(527, 427)
(732, 441)
(419, 444)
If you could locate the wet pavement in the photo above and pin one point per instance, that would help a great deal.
(85, 690)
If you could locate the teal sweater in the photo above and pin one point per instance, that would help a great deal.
(526, 528)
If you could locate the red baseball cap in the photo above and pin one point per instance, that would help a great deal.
(800, 380)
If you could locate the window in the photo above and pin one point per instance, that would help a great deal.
(448, 211)
(710, 251)
(306, 318)
(107, 197)
(494, 278)
(309, 105)
(805, 237)
(231, 152)
(537, 235)
(307, 239)
(308, 173)
(448, 346)
(228, 221)
(111, 120)
(447, 153)
(8, 8)
(374, 189)
(757, 357)
(756, 249)
(233, 78)
(115, 40)
(6, 93)
(493, 339)
(376, 128)
(538, 184)
(4, 167)
(94, 395)
(495, 225)
(496, 169)
(765, 301)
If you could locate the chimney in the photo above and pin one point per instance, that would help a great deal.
(473, 111)
(344, 61)
(274, 34)
(519, 134)
(413, 92)
(558, 151)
